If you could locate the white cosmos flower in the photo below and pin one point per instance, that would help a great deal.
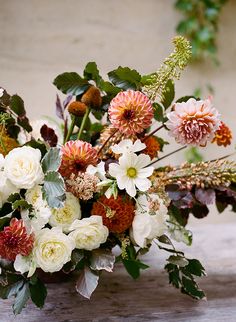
(128, 146)
(131, 172)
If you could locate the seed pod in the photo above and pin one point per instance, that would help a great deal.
(77, 108)
(92, 98)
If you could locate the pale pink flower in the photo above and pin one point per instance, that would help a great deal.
(131, 112)
(193, 122)
(82, 185)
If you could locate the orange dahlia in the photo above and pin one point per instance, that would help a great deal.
(14, 240)
(76, 156)
(152, 148)
(223, 135)
(131, 112)
(7, 143)
(117, 214)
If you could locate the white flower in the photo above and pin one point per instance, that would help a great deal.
(6, 188)
(23, 168)
(64, 217)
(52, 249)
(1, 92)
(127, 145)
(98, 171)
(2, 161)
(131, 172)
(39, 217)
(25, 264)
(89, 233)
(148, 223)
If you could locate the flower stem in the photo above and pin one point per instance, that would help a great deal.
(153, 132)
(104, 144)
(83, 123)
(70, 131)
(167, 155)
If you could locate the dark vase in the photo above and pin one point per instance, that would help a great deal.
(57, 277)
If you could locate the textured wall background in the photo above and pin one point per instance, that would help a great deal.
(40, 39)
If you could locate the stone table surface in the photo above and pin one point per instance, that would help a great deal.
(119, 298)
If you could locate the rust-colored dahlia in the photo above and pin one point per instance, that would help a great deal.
(223, 135)
(7, 143)
(131, 112)
(193, 122)
(115, 139)
(76, 156)
(14, 240)
(117, 214)
(153, 147)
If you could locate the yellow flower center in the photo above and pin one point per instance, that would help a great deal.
(131, 172)
(63, 215)
(52, 250)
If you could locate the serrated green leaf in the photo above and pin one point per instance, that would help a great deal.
(91, 72)
(178, 260)
(168, 94)
(54, 189)
(125, 78)
(195, 267)
(38, 293)
(71, 83)
(52, 160)
(191, 288)
(21, 204)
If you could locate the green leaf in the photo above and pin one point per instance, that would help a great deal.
(52, 160)
(125, 78)
(109, 88)
(195, 267)
(174, 275)
(38, 145)
(91, 72)
(71, 83)
(158, 112)
(191, 288)
(168, 94)
(54, 189)
(21, 297)
(193, 155)
(96, 127)
(178, 260)
(133, 267)
(38, 293)
(23, 204)
(17, 105)
(4, 222)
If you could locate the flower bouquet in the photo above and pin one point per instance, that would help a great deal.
(79, 197)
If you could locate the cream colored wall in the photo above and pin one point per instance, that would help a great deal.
(40, 39)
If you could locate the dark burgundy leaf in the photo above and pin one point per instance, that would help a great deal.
(184, 202)
(59, 109)
(49, 135)
(200, 211)
(205, 196)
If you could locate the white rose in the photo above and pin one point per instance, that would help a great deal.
(148, 223)
(23, 168)
(64, 217)
(41, 213)
(89, 233)
(6, 188)
(52, 249)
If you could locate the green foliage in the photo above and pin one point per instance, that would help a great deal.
(71, 83)
(38, 292)
(51, 160)
(132, 264)
(200, 25)
(168, 94)
(125, 78)
(54, 189)
(91, 72)
(193, 155)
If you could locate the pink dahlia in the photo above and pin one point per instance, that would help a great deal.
(193, 122)
(76, 156)
(14, 240)
(131, 112)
